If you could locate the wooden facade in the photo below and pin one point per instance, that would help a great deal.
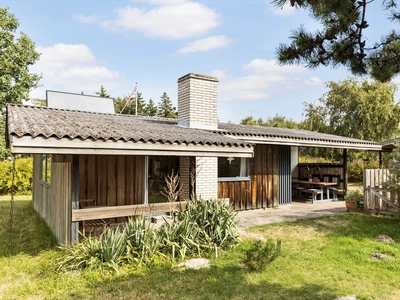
(262, 190)
(111, 180)
(108, 179)
(53, 202)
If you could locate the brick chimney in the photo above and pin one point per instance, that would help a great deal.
(197, 108)
(197, 101)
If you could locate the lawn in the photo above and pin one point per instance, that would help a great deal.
(321, 258)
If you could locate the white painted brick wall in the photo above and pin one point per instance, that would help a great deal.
(197, 101)
(207, 178)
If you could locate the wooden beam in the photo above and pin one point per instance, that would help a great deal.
(345, 174)
(106, 212)
(75, 195)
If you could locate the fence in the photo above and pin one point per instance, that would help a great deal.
(376, 198)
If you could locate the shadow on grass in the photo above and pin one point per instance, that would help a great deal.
(358, 226)
(217, 282)
(29, 232)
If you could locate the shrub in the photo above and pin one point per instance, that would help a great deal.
(22, 179)
(107, 250)
(203, 227)
(143, 240)
(260, 254)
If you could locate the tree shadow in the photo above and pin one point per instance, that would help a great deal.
(29, 232)
(217, 282)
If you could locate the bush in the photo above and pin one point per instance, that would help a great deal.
(260, 255)
(107, 250)
(22, 179)
(204, 227)
(143, 240)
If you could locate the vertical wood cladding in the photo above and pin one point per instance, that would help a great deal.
(263, 188)
(110, 179)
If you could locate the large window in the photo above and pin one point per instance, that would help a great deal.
(45, 168)
(233, 168)
(158, 168)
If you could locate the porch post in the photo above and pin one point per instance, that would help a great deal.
(345, 175)
(380, 159)
(74, 195)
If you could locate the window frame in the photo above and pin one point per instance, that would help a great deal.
(238, 178)
(45, 169)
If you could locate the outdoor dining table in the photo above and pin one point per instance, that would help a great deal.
(324, 189)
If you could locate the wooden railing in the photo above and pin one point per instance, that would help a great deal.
(106, 212)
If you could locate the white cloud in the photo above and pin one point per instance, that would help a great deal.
(207, 44)
(72, 68)
(87, 19)
(176, 19)
(264, 81)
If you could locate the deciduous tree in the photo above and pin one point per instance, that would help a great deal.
(17, 54)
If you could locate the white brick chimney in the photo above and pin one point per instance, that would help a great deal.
(197, 101)
(197, 108)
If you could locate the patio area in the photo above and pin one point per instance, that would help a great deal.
(299, 209)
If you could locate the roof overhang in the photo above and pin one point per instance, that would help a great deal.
(309, 143)
(52, 145)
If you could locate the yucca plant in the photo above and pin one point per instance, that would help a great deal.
(143, 240)
(215, 218)
(107, 250)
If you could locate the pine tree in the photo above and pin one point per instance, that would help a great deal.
(342, 39)
(165, 108)
(103, 92)
(151, 109)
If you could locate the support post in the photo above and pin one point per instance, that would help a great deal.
(74, 195)
(345, 175)
(380, 160)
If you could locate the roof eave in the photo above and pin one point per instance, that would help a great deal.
(53, 145)
(310, 143)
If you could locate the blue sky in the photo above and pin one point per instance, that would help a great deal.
(88, 43)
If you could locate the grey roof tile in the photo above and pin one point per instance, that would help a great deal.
(62, 123)
(249, 132)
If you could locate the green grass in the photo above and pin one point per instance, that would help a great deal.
(320, 259)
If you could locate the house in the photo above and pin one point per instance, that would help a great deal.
(119, 162)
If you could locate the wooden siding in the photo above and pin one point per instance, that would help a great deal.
(53, 202)
(263, 188)
(111, 180)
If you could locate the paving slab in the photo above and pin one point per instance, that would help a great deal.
(290, 212)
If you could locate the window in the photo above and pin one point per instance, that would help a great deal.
(233, 168)
(45, 168)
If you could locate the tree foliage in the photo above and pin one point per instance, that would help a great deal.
(277, 121)
(342, 39)
(103, 93)
(363, 110)
(151, 109)
(165, 107)
(17, 54)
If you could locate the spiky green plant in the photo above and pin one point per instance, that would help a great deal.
(260, 254)
(143, 240)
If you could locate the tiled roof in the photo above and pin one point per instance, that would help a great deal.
(62, 123)
(249, 132)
